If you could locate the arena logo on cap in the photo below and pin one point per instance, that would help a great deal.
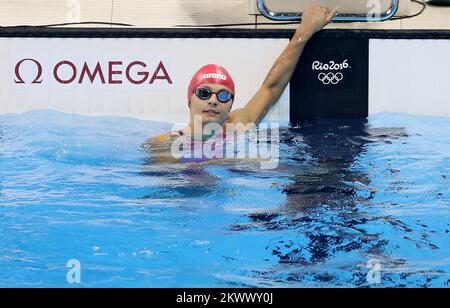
(215, 76)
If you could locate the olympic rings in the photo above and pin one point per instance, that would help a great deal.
(331, 78)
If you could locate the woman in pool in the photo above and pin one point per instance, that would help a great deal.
(211, 91)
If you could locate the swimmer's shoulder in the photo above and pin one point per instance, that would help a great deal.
(238, 116)
(166, 137)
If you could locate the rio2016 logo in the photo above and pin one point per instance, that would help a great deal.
(331, 73)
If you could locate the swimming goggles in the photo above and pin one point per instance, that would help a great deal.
(223, 96)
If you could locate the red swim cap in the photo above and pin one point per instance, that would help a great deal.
(210, 73)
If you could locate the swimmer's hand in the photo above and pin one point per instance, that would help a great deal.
(315, 18)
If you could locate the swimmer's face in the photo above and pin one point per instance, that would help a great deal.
(211, 109)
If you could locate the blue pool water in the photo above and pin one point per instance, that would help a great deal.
(345, 194)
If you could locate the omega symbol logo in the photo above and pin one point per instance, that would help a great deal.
(37, 79)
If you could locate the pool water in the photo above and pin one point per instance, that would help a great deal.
(347, 194)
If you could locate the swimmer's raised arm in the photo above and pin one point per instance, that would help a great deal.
(314, 19)
(211, 90)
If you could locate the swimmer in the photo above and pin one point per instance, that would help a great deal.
(211, 91)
